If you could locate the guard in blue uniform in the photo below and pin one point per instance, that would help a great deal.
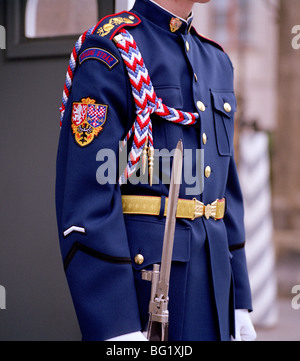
(110, 232)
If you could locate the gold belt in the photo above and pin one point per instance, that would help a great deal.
(189, 209)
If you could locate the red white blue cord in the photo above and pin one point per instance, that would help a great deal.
(71, 71)
(146, 102)
(145, 98)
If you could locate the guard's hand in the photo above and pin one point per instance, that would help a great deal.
(135, 336)
(244, 329)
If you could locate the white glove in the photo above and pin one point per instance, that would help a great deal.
(244, 329)
(135, 336)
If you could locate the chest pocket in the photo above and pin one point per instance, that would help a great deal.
(166, 134)
(224, 106)
(171, 95)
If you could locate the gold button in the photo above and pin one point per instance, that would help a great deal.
(131, 17)
(195, 76)
(139, 259)
(207, 172)
(201, 106)
(227, 107)
(204, 138)
(187, 46)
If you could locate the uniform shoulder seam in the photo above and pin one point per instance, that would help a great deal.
(205, 38)
(110, 25)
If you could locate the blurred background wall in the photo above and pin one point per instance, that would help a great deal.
(40, 34)
(261, 38)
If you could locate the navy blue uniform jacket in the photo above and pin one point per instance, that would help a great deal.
(209, 274)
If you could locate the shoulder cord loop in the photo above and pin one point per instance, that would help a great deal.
(146, 102)
(71, 71)
(145, 98)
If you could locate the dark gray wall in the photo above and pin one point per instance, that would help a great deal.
(38, 304)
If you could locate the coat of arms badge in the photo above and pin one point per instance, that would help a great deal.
(88, 119)
(175, 24)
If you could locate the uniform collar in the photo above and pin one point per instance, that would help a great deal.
(161, 16)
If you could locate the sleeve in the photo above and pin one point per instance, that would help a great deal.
(90, 220)
(234, 221)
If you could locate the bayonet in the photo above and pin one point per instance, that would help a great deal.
(158, 324)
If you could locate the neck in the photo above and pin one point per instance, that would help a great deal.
(177, 7)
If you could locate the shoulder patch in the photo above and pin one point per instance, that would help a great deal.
(111, 24)
(99, 54)
(88, 119)
(202, 37)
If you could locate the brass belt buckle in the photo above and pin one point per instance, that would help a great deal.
(198, 209)
(209, 210)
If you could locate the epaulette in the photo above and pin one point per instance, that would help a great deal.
(208, 40)
(110, 25)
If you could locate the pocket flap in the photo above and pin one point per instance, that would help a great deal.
(225, 102)
(146, 238)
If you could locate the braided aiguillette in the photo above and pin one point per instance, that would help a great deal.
(145, 98)
(71, 71)
(147, 103)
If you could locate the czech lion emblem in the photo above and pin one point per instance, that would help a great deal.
(88, 119)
